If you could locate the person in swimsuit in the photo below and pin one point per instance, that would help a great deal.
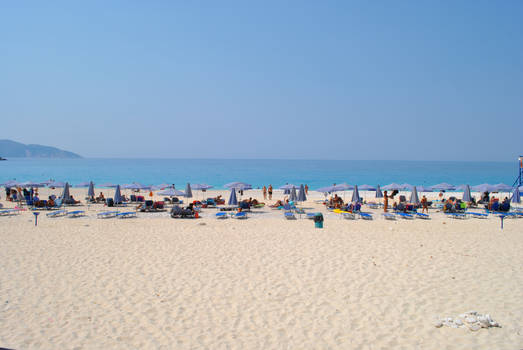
(264, 190)
(385, 201)
(270, 192)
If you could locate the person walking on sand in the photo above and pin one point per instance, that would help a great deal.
(306, 189)
(270, 192)
(264, 190)
(424, 205)
(385, 201)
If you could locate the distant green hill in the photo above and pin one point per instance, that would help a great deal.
(10, 148)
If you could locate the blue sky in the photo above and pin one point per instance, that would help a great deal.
(429, 80)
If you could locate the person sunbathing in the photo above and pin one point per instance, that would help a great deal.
(100, 198)
(50, 203)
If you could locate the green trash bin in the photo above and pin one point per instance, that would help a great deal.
(318, 220)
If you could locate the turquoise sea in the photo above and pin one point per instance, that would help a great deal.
(217, 172)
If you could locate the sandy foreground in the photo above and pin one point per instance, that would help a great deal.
(261, 283)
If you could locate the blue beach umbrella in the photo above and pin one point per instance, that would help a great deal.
(238, 185)
(293, 196)
(28, 184)
(56, 184)
(188, 192)
(118, 195)
(171, 192)
(367, 188)
(502, 187)
(90, 191)
(466, 194)
(82, 184)
(516, 196)
(160, 186)
(423, 189)
(414, 199)
(379, 194)
(393, 186)
(483, 188)
(406, 187)
(444, 186)
(108, 185)
(301, 194)
(356, 195)
(65, 194)
(232, 198)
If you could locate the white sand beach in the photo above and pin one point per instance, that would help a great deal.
(263, 283)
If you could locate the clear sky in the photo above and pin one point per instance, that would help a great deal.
(431, 80)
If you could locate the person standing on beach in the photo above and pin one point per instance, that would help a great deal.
(385, 201)
(424, 205)
(264, 190)
(270, 192)
(306, 189)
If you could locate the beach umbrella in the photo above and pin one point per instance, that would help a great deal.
(378, 192)
(443, 186)
(406, 187)
(136, 186)
(301, 194)
(188, 192)
(516, 197)
(56, 184)
(118, 195)
(503, 187)
(356, 195)
(200, 187)
(232, 197)
(238, 185)
(293, 196)
(90, 191)
(466, 194)
(414, 196)
(65, 194)
(393, 186)
(288, 187)
(82, 184)
(108, 185)
(367, 188)
(30, 184)
(423, 189)
(171, 192)
(483, 188)
(160, 186)
(10, 183)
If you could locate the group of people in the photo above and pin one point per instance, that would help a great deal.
(267, 191)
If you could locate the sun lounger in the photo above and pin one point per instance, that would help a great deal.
(107, 214)
(240, 215)
(389, 216)
(348, 216)
(56, 214)
(477, 215)
(126, 215)
(405, 216)
(76, 214)
(423, 216)
(221, 215)
(457, 216)
(9, 212)
(310, 215)
(289, 215)
(366, 216)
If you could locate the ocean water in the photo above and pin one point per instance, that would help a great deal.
(217, 172)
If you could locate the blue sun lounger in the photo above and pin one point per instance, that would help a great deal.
(389, 216)
(366, 216)
(240, 215)
(107, 214)
(126, 215)
(221, 215)
(76, 214)
(405, 216)
(9, 212)
(460, 216)
(56, 214)
(289, 215)
(423, 216)
(477, 215)
(310, 216)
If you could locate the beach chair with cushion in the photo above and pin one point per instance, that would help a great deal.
(310, 216)
(460, 216)
(76, 214)
(56, 214)
(348, 215)
(178, 212)
(107, 214)
(126, 215)
(9, 212)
